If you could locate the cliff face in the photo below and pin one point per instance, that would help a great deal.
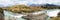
(1, 14)
(58, 14)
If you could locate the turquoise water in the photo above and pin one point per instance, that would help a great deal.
(8, 15)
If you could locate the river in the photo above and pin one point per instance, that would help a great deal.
(8, 15)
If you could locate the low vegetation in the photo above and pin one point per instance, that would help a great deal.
(55, 18)
(23, 8)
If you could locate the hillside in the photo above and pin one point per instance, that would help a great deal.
(23, 8)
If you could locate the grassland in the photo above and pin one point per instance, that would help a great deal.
(23, 8)
(55, 18)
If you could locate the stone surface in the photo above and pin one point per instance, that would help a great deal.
(1, 14)
(36, 17)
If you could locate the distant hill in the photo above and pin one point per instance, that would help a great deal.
(42, 5)
(50, 5)
(23, 8)
(35, 5)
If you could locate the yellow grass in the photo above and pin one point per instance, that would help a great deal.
(19, 8)
(55, 18)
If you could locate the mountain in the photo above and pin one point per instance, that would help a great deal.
(43, 5)
(48, 6)
(51, 5)
(35, 5)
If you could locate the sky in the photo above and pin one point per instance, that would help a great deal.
(27, 2)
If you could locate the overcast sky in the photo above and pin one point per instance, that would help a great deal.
(13, 2)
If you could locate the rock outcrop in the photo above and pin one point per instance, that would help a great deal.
(36, 17)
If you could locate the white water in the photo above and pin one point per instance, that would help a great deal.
(18, 17)
(12, 16)
(53, 12)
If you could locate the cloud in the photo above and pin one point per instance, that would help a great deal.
(13, 2)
